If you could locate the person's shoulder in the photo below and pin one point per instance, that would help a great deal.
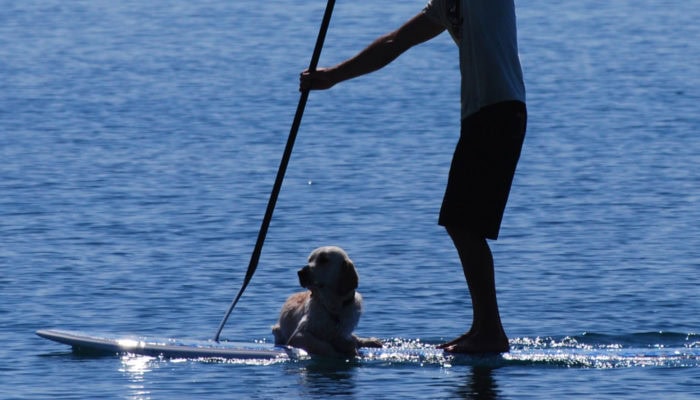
(436, 9)
(438, 3)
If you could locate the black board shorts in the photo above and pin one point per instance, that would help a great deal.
(483, 167)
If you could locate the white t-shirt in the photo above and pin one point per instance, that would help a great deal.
(488, 48)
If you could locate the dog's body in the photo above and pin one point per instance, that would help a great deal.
(322, 319)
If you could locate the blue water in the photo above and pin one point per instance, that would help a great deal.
(139, 142)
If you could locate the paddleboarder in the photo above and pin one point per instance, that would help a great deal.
(493, 121)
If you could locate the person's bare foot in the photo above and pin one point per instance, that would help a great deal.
(473, 343)
(453, 342)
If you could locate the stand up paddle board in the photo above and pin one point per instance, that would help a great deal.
(598, 351)
(170, 348)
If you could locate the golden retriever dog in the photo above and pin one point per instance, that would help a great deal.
(321, 320)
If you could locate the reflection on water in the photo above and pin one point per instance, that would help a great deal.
(322, 378)
(479, 384)
(136, 367)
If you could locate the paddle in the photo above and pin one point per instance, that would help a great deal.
(255, 257)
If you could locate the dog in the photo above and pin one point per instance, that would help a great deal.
(322, 319)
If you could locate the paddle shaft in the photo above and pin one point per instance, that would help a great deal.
(255, 257)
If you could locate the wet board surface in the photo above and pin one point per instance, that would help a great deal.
(169, 347)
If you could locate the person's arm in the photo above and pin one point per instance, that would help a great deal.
(381, 52)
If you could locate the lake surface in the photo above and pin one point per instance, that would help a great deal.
(140, 141)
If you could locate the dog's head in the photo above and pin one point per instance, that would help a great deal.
(331, 277)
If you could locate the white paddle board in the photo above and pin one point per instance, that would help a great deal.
(561, 351)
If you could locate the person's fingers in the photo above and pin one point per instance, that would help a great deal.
(305, 80)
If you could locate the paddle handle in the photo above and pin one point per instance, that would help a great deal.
(255, 257)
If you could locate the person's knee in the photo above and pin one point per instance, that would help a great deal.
(463, 234)
(467, 242)
(473, 249)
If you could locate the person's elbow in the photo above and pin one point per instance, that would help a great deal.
(393, 45)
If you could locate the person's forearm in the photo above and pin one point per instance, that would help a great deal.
(378, 54)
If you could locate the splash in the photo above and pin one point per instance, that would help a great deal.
(406, 351)
(594, 350)
(589, 350)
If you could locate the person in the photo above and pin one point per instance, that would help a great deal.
(493, 125)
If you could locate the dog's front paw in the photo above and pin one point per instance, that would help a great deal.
(369, 342)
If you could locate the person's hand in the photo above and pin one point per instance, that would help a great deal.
(320, 79)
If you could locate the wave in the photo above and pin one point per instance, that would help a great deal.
(592, 340)
(599, 350)
(587, 350)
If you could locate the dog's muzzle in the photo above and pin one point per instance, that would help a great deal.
(305, 278)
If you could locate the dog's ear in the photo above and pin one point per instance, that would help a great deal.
(348, 278)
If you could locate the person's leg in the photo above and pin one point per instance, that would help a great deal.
(475, 198)
(486, 334)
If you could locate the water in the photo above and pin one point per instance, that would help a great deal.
(139, 143)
